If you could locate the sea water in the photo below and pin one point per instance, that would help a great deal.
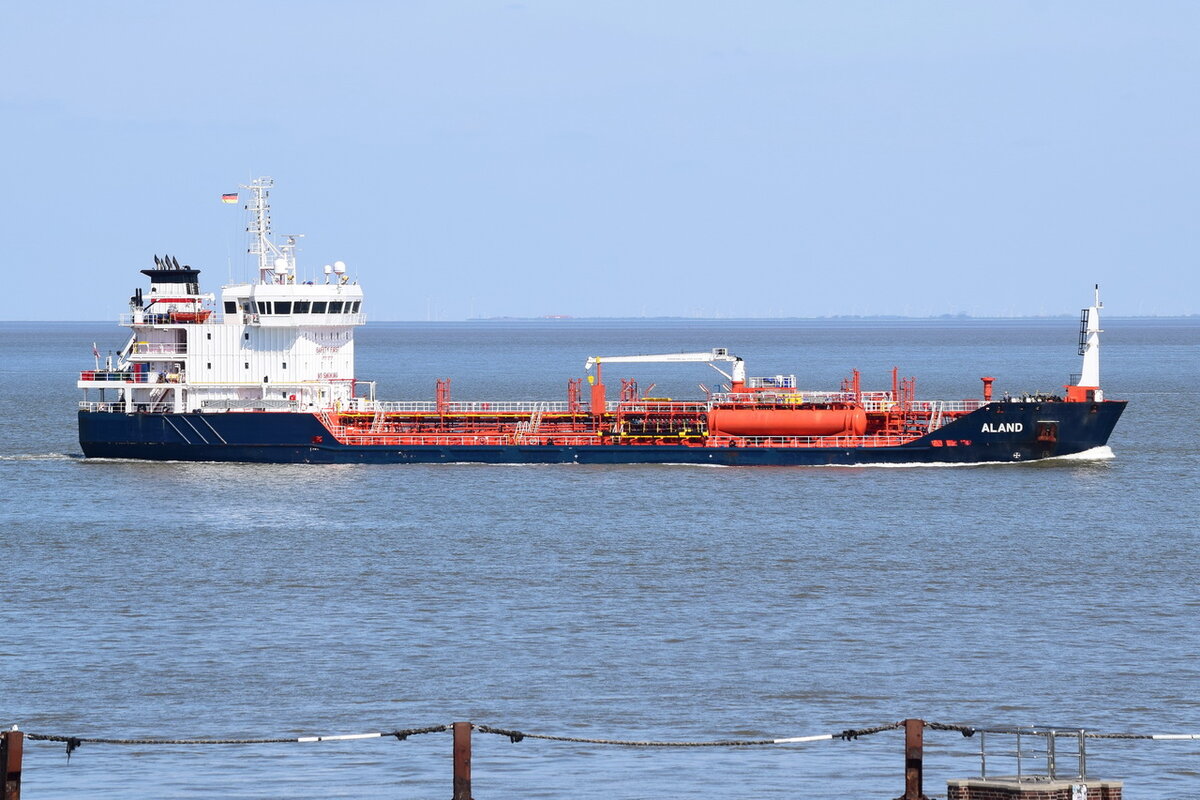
(178, 600)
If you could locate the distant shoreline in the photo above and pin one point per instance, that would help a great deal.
(832, 318)
(828, 318)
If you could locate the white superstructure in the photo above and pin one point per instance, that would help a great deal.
(280, 343)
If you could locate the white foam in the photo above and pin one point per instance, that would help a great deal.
(1102, 453)
(39, 457)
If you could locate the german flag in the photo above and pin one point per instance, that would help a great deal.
(229, 198)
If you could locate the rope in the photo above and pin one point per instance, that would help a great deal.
(852, 733)
(965, 730)
(1157, 736)
(73, 742)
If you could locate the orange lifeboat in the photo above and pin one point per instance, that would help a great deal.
(788, 422)
(191, 316)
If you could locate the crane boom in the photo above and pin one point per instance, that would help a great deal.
(737, 372)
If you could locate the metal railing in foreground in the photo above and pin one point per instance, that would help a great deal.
(12, 746)
(1035, 753)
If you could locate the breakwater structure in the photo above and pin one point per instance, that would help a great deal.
(1015, 762)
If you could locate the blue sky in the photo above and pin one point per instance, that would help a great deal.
(613, 158)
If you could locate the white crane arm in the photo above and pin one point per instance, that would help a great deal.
(718, 354)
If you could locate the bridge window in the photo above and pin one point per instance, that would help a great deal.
(319, 306)
(354, 310)
(300, 307)
(230, 306)
(282, 307)
(335, 307)
(264, 306)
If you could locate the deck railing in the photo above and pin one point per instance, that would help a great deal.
(809, 441)
(90, 405)
(454, 407)
(954, 406)
(118, 376)
(351, 436)
(155, 348)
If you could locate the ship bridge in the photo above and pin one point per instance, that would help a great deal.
(280, 342)
(294, 304)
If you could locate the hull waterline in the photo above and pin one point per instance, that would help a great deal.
(998, 432)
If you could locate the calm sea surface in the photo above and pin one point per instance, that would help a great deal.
(214, 600)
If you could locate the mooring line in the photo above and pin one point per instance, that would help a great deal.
(967, 730)
(1159, 736)
(73, 742)
(852, 733)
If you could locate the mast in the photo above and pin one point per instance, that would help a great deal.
(1089, 335)
(1087, 387)
(273, 264)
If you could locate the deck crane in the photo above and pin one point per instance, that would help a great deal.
(736, 374)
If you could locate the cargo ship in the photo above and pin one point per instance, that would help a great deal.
(265, 373)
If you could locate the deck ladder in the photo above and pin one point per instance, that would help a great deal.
(535, 419)
(935, 415)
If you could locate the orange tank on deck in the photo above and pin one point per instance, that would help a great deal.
(788, 422)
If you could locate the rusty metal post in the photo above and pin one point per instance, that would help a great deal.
(914, 755)
(11, 745)
(462, 761)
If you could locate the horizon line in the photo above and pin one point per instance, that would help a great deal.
(675, 318)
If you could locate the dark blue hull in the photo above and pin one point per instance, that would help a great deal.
(998, 432)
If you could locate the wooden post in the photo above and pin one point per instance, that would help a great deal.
(914, 754)
(462, 761)
(11, 745)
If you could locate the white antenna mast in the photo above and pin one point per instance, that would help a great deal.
(269, 255)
